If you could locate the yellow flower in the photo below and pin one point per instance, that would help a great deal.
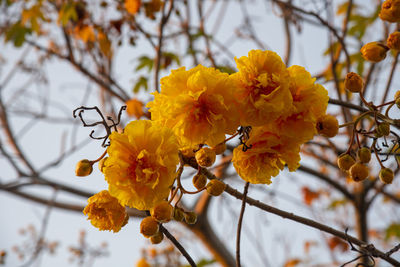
(197, 104)
(105, 212)
(310, 101)
(141, 165)
(134, 108)
(267, 156)
(262, 88)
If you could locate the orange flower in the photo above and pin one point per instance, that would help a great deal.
(105, 212)
(262, 88)
(141, 165)
(134, 108)
(132, 6)
(197, 104)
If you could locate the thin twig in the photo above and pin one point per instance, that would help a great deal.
(239, 228)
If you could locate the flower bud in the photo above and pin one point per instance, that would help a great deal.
(386, 175)
(359, 172)
(149, 227)
(215, 187)
(205, 157)
(397, 95)
(162, 212)
(374, 51)
(190, 217)
(219, 149)
(178, 214)
(157, 238)
(390, 11)
(364, 154)
(134, 108)
(142, 263)
(398, 103)
(199, 181)
(393, 41)
(345, 161)
(102, 163)
(328, 125)
(383, 129)
(84, 168)
(353, 82)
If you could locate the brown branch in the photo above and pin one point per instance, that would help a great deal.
(239, 227)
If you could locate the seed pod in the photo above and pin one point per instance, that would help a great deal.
(157, 238)
(383, 129)
(327, 125)
(386, 175)
(364, 154)
(374, 51)
(215, 187)
(199, 181)
(178, 214)
(190, 217)
(345, 161)
(162, 212)
(84, 168)
(359, 172)
(149, 227)
(205, 157)
(353, 82)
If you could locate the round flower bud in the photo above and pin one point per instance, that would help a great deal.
(178, 214)
(328, 125)
(390, 11)
(205, 157)
(393, 41)
(383, 129)
(148, 227)
(134, 108)
(84, 168)
(102, 163)
(374, 51)
(199, 181)
(353, 82)
(398, 103)
(364, 154)
(386, 175)
(397, 95)
(215, 187)
(162, 212)
(359, 172)
(190, 217)
(219, 149)
(157, 238)
(345, 161)
(142, 263)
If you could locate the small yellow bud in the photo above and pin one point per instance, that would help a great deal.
(390, 11)
(386, 175)
(215, 187)
(134, 108)
(102, 163)
(398, 103)
(328, 125)
(178, 214)
(374, 51)
(157, 238)
(393, 41)
(364, 154)
(397, 95)
(84, 168)
(359, 172)
(205, 157)
(142, 263)
(345, 161)
(190, 217)
(353, 82)
(383, 129)
(148, 227)
(199, 181)
(162, 212)
(219, 149)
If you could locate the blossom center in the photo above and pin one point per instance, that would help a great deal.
(142, 169)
